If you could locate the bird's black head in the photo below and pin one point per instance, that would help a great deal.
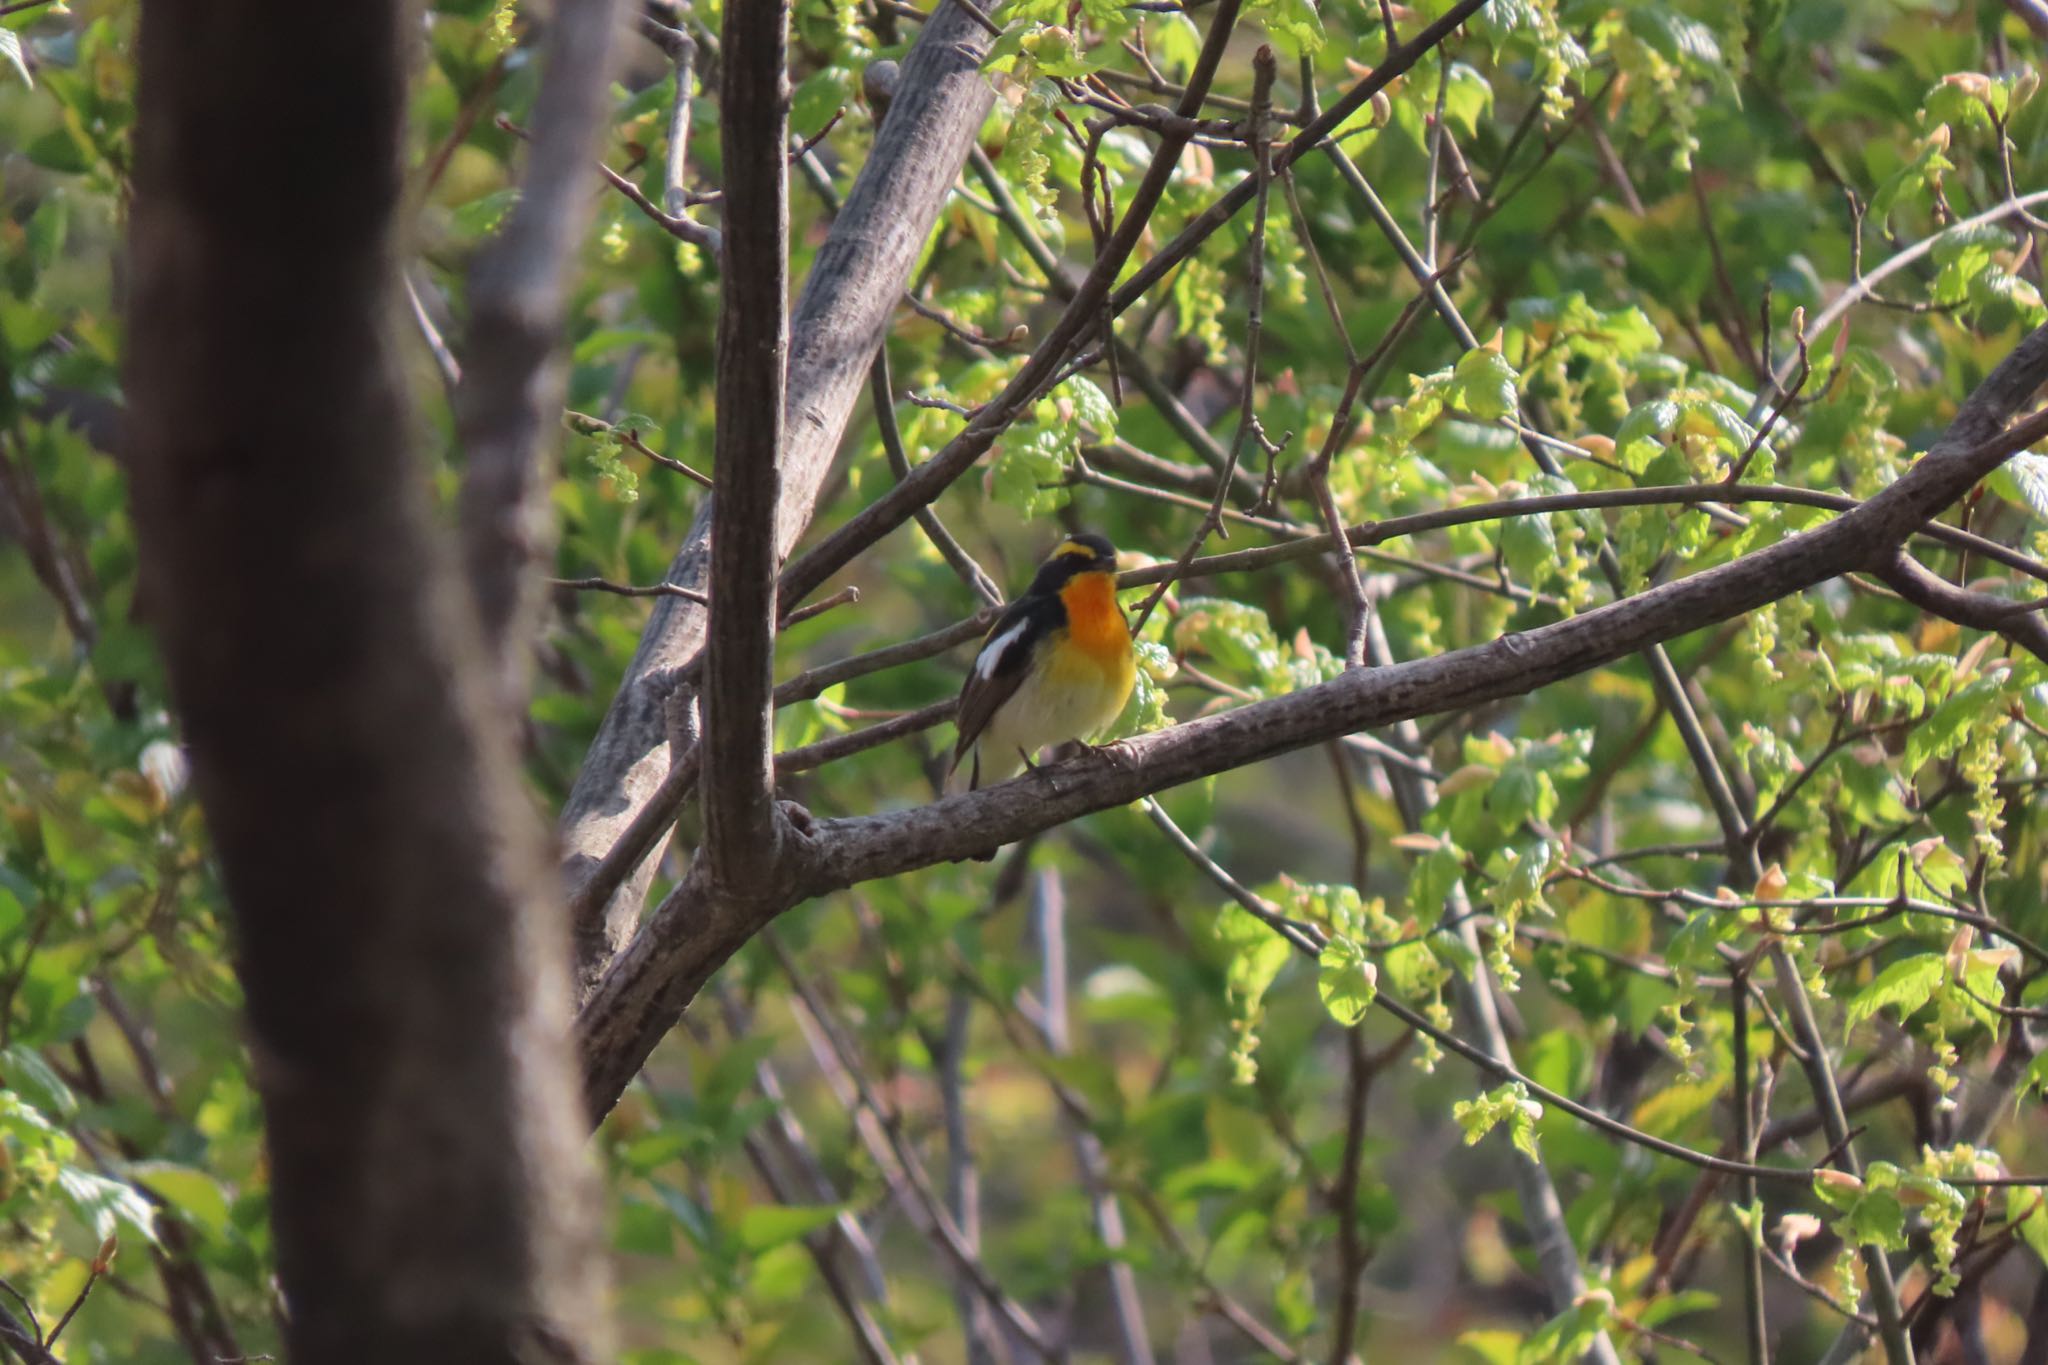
(1082, 552)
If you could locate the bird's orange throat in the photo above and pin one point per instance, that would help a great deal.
(1094, 621)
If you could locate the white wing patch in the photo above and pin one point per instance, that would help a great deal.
(992, 653)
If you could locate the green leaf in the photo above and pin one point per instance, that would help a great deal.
(10, 51)
(1256, 953)
(2026, 1211)
(1347, 980)
(1906, 984)
(1688, 42)
(1293, 24)
(1960, 100)
(482, 217)
(1468, 97)
(1947, 727)
(765, 1226)
(47, 228)
(1509, 1104)
(823, 92)
(1529, 546)
(106, 1206)
(1568, 1335)
(1927, 165)
(1639, 439)
(1877, 1219)
(194, 1194)
(1484, 384)
(1176, 43)
(1204, 1179)
(1091, 406)
(23, 1070)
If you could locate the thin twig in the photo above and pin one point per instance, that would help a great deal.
(905, 1176)
(843, 597)
(1048, 907)
(628, 589)
(1750, 1238)
(630, 436)
(437, 345)
(963, 564)
(1351, 1250)
(1264, 68)
(682, 51)
(1788, 395)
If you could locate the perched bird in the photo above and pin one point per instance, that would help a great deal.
(1057, 665)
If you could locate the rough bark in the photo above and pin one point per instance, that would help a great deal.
(397, 924)
(854, 284)
(740, 815)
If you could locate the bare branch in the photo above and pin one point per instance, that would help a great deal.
(1931, 592)
(1049, 917)
(625, 589)
(1756, 1327)
(24, 518)
(512, 379)
(1827, 1095)
(681, 49)
(950, 550)
(741, 821)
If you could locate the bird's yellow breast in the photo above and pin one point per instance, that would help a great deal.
(1095, 623)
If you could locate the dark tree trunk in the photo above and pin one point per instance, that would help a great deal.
(401, 944)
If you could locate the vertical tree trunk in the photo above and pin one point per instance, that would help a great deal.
(400, 938)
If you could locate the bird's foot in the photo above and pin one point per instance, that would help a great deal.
(798, 818)
(1044, 771)
(1118, 753)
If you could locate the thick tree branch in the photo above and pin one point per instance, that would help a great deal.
(692, 933)
(509, 402)
(399, 938)
(855, 282)
(740, 815)
(1931, 592)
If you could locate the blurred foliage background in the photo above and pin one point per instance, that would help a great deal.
(1141, 1114)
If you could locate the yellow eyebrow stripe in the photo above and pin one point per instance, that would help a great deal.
(1073, 547)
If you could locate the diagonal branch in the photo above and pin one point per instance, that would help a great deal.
(740, 816)
(510, 396)
(1931, 592)
(691, 933)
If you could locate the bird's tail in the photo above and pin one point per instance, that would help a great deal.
(965, 775)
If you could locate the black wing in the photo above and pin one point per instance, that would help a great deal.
(1002, 664)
